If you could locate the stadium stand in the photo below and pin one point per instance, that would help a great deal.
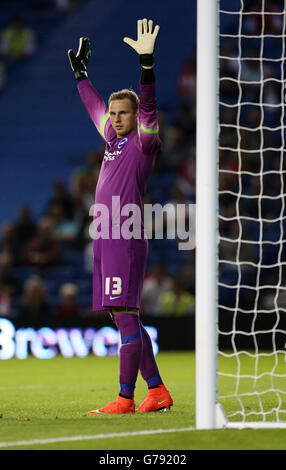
(46, 136)
(49, 144)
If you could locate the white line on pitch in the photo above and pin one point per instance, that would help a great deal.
(31, 387)
(92, 437)
(21, 387)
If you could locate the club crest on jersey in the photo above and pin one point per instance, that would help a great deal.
(122, 142)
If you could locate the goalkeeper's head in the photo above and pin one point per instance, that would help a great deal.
(123, 109)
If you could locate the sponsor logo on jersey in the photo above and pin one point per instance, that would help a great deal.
(111, 155)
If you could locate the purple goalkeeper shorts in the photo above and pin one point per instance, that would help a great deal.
(118, 272)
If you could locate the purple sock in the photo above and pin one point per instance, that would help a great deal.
(148, 366)
(128, 325)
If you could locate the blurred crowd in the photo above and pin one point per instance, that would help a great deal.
(19, 38)
(46, 264)
(250, 181)
(252, 157)
(30, 250)
(17, 43)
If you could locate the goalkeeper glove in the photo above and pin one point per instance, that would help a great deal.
(145, 44)
(80, 60)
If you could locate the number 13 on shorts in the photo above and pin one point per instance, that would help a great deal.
(113, 285)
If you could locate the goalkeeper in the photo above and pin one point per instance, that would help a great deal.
(130, 129)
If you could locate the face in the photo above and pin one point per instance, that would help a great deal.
(122, 117)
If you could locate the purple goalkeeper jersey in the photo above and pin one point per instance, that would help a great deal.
(128, 161)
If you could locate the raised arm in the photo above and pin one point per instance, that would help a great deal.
(148, 127)
(91, 99)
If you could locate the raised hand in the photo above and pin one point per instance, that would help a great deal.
(146, 39)
(80, 60)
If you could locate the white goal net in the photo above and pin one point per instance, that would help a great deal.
(252, 211)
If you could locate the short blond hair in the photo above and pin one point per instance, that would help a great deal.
(123, 94)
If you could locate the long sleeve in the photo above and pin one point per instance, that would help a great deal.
(96, 109)
(148, 119)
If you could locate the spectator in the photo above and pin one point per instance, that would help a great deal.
(90, 181)
(176, 301)
(176, 149)
(187, 171)
(83, 187)
(187, 81)
(228, 131)
(83, 220)
(94, 159)
(69, 306)
(272, 23)
(17, 41)
(154, 285)
(9, 286)
(42, 250)
(229, 68)
(62, 196)
(6, 300)
(10, 242)
(188, 274)
(25, 225)
(35, 301)
(7, 281)
(186, 118)
(250, 76)
(64, 230)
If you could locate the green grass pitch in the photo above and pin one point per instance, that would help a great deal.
(46, 401)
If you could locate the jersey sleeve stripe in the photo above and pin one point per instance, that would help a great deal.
(150, 131)
(103, 122)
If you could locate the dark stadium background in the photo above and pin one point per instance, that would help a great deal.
(50, 156)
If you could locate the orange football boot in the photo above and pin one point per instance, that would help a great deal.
(120, 405)
(158, 399)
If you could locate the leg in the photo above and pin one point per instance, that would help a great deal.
(128, 325)
(148, 366)
(127, 322)
(158, 397)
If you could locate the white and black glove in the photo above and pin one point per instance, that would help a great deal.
(145, 44)
(80, 60)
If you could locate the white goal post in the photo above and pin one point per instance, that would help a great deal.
(206, 214)
(241, 215)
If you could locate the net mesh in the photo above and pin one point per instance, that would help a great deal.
(252, 216)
